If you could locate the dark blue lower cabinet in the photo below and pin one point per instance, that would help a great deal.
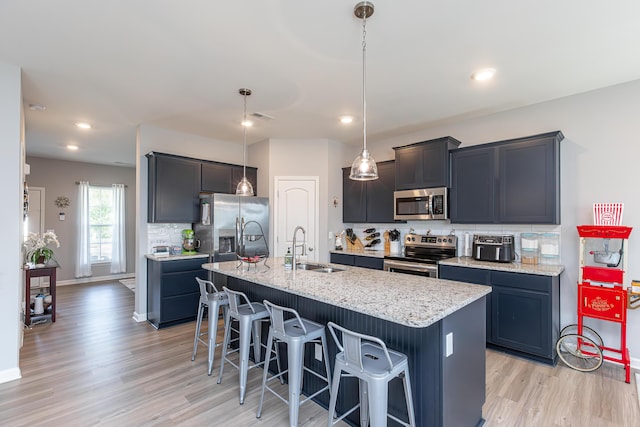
(523, 311)
(358, 261)
(447, 391)
(172, 291)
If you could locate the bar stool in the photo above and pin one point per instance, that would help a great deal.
(368, 359)
(250, 316)
(295, 332)
(213, 300)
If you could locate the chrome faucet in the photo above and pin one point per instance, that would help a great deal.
(304, 237)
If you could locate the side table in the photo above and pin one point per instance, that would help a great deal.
(47, 271)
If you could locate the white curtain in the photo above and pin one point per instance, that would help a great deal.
(83, 256)
(118, 243)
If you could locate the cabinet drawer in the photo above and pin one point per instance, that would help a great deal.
(343, 259)
(182, 265)
(522, 281)
(463, 274)
(181, 283)
(179, 307)
(368, 262)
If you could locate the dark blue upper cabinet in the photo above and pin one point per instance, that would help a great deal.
(174, 184)
(473, 183)
(508, 182)
(369, 201)
(424, 164)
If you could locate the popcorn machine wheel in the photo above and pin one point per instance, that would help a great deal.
(603, 295)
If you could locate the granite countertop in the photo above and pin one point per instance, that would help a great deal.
(514, 267)
(155, 257)
(409, 300)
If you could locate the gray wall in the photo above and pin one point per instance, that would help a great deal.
(59, 177)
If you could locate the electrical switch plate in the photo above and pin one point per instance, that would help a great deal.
(449, 344)
(318, 350)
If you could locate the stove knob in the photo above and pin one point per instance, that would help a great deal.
(439, 240)
(450, 241)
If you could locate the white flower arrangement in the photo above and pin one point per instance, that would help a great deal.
(36, 247)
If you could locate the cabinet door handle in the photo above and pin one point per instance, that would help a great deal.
(585, 302)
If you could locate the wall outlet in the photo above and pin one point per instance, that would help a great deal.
(449, 344)
(318, 351)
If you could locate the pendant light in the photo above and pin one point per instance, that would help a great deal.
(364, 167)
(244, 187)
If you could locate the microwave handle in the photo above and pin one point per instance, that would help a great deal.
(431, 204)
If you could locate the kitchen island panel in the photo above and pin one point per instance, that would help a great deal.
(438, 382)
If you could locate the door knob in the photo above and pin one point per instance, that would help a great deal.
(310, 249)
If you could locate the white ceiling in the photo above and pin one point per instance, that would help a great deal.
(179, 65)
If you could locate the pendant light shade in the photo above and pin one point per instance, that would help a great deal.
(364, 167)
(244, 187)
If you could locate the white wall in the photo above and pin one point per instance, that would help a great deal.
(149, 138)
(599, 163)
(304, 157)
(11, 174)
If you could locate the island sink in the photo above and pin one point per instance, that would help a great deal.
(320, 268)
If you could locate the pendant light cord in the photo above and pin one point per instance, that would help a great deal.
(364, 82)
(244, 137)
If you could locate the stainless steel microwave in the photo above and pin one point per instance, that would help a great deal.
(424, 204)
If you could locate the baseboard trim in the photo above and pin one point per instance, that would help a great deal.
(92, 279)
(139, 317)
(10, 375)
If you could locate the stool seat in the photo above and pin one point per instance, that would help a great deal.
(295, 332)
(368, 359)
(213, 301)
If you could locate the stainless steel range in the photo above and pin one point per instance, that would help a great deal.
(421, 254)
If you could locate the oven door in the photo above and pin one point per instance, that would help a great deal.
(415, 268)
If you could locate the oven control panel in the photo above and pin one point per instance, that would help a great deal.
(430, 240)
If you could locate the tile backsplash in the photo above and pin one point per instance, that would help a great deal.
(443, 227)
(165, 235)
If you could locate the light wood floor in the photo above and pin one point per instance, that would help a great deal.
(97, 366)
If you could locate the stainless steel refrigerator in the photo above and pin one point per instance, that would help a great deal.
(232, 226)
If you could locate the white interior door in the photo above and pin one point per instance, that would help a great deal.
(296, 204)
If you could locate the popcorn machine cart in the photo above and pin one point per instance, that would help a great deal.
(602, 294)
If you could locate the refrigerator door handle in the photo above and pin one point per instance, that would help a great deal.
(238, 236)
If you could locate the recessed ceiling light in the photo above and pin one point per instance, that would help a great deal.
(247, 123)
(37, 107)
(72, 147)
(484, 74)
(346, 119)
(82, 125)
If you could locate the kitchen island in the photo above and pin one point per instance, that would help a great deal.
(438, 324)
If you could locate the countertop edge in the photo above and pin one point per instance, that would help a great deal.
(174, 257)
(513, 267)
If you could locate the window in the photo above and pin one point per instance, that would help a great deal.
(100, 223)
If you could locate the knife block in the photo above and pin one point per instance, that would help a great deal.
(355, 246)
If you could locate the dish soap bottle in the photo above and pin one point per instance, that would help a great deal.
(288, 260)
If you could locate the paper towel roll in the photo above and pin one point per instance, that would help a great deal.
(467, 245)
